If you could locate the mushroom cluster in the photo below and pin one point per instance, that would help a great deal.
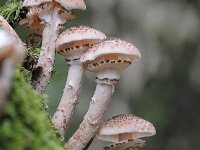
(45, 17)
(84, 49)
(87, 49)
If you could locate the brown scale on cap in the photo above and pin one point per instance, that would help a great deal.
(125, 126)
(132, 144)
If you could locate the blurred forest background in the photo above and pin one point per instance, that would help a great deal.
(164, 86)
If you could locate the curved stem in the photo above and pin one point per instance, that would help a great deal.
(93, 118)
(66, 107)
(44, 67)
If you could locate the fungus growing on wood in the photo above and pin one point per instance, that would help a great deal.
(51, 13)
(71, 44)
(107, 59)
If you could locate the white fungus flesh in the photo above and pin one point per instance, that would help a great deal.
(125, 126)
(133, 144)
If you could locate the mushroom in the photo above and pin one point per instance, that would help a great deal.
(6, 45)
(36, 26)
(107, 59)
(52, 14)
(124, 127)
(71, 44)
(132, 144)
(10, 52)
(19, 50)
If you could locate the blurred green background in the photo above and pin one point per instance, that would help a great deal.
(164, 86)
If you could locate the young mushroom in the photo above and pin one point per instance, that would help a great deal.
(71, 44)
(124, 127)
(132, 144)
(107, 59)
(51, 14)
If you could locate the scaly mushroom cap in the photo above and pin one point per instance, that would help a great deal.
(75, 40)
(67, 4)
(133, 144)
(72, 4)
(125, 126)
(108, 57)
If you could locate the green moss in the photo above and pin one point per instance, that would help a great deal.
(33, 52)
(27, 74)
(11, 10)
(25, 124)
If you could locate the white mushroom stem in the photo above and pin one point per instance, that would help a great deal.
(45, 63)
(66, 107)
(6, 71)
(93, 118)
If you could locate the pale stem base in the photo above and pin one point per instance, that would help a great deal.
(69, 100)
(93, 118)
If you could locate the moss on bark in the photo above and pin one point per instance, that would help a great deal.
(25, 124)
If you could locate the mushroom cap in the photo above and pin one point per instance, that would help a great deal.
(6, 26)
(30, 3)
(132, 144)
(125, 126)
(67, 4)
(110, 53)
(108, 57)
(18, 44)
(73, 41)
(72, 4)
(8, 47)
(6, 44)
